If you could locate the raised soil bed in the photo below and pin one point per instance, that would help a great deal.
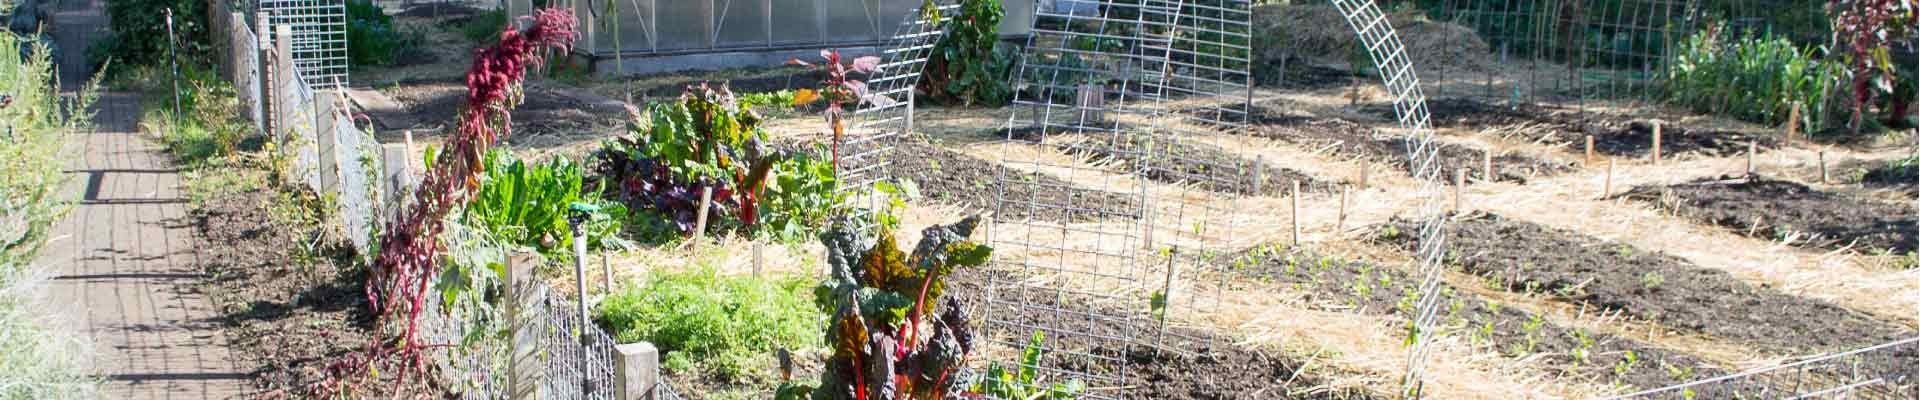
(1336, 284)
(1614, 135)
(1568, 266)
(1201, 165)
(1350, 139)
(1775, 209)
(951, 177)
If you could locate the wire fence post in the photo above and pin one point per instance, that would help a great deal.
(173, 59)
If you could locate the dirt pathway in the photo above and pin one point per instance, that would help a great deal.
(124, 257)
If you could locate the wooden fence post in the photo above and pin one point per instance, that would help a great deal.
(1793, 122)
(1752, 147)
(1607, 188)
(1823, 167)
(325, 138)
(1459, 180)
(525, 367)
(636, 371)
(283, 72)
(264, 61)
(1486, 165)
(1341, 223)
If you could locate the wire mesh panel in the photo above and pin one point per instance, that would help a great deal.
(1570, 50)
(875, 127)
(319, 37)
(1109, 97)
(1885, 371)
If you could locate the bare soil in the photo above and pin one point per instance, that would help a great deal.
(1568, 266)
(1898, 175)
(951, 177)
(1336, 284)
(1184, 368)
(1615, 135)
(292, 316)
(1200, 165)
(1775, 209)
(1357, 140)
(547, 117)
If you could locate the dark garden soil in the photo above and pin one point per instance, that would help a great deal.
(1774, 209)
(1203, 370)
(950, 177)
(544, 113)
(1302, 74)
(1900, 175)
(1337, 284)
(1201, 165)
(740, 81)
(1615, 135)
(1567, 266)
(1352, 139)
(289, 316)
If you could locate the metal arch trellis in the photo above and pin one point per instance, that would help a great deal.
(874, 127)
(1389, 56)
(1125, 83)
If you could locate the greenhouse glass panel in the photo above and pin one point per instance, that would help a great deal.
(684, 24)
(851, 20)
(742, 23)
(795, 22)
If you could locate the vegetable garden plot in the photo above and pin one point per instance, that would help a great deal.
(1190, 162)
(951, 177)
(1351, 139)
(1567, 266)
(1336, 284)
(1217, 370)
(1781, 210)
(1616, 135)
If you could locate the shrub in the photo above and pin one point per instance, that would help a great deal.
(1756, 78)
(372, 38)
(35, 361)
(527, 204)
(483, 27)
(138, 32)
(969, 65)
(208, 124)
(728, 326)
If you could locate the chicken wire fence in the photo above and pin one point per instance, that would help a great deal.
(336, 159)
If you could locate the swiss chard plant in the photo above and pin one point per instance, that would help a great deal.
(1023, 381)
(888, 339)
(708, 141)
(970, 65)
(525, 204)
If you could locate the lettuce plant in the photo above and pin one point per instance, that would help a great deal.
(526, 204)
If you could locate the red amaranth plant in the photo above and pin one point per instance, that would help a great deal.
(839, 90)
(405, 267)
(1866, 29)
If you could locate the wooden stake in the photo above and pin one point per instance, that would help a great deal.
(1364, 167)
(759, 258)
(409, 165)
(1293, 201)
(1656, 142)
(700, 221)
(1342, 222)
(1459, 180)
(1589, 163)
(1793, 122)
(1607, 188)
(1751, 148)
(1823, 166)
(1486, 166)
(606, 272)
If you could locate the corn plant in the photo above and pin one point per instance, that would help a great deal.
(1753, 78)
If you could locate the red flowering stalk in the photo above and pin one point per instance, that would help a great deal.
(409, 243)
(839, 90)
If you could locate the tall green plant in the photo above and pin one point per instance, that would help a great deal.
(970, 66)
(36, 362)
(1757, 78)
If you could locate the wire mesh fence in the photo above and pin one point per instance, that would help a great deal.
(878, 126)
(1885, 371)
(319, 46)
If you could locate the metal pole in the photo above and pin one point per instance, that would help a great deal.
(174, 59)
(579, 222)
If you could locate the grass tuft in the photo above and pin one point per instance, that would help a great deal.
(726, 326)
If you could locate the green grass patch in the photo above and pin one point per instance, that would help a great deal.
(727, 327)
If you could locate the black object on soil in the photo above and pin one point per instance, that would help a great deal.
(1565, 265)
(1377, 290)
(1774, 209)
(1202, 165)
(951, 177)
(1217, 370)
